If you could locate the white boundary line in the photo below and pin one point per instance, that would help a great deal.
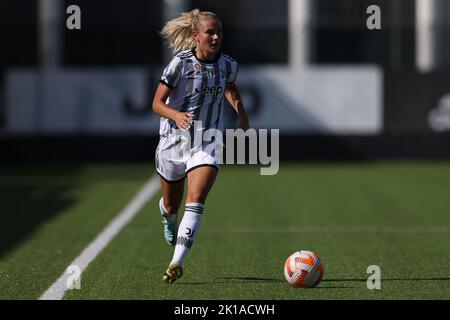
(57, 290)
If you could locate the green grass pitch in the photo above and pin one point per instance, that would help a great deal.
(391, 214)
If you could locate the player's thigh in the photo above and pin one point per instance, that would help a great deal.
(172, 194)
(200, 182)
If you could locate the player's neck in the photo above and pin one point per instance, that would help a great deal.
(203, 56)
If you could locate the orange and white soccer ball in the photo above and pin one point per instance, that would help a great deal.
(303, 269)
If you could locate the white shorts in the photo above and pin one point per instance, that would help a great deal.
(175, 158)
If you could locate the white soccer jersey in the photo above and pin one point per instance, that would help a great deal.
(198, 87)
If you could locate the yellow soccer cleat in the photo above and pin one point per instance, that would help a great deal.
(173, 272)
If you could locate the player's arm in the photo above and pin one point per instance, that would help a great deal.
(233, 97)
(182, 119)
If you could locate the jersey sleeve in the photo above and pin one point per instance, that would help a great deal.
(172, 73)
(233, 72)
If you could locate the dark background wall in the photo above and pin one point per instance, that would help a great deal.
(125, 33)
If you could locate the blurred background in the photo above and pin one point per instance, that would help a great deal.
(311, 68)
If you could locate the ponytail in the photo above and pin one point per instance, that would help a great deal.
(178, 32)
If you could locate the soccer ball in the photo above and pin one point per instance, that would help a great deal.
(303, 269)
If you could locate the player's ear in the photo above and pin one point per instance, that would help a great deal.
(195, 35)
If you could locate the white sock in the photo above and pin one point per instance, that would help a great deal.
(169, 217)
(187, 231)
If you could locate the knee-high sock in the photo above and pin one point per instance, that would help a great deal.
(187, 231)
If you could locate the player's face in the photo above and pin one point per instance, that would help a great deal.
(209, 36)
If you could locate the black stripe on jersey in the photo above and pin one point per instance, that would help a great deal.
(235, 74)
(199, 105)
(228, 68)
(201, 98)
(216, 122)
(214, 99)
(185, 55)
(190, 73)
(183, 108)
(189, 88)
(229, 58)
(189, 92)
(166, 84)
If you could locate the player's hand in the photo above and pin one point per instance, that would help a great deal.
(184, 120)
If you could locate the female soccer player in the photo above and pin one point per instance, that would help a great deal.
(191, 90)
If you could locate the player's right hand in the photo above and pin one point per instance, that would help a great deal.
(184, 120)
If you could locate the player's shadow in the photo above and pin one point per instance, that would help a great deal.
(268, 280)
(249, 279)
(389, 279)
(238, 280)
(323, 285)
(253, 280)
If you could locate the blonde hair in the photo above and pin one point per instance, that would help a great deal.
(178, 32)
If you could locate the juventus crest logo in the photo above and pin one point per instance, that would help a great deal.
(190, 232)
